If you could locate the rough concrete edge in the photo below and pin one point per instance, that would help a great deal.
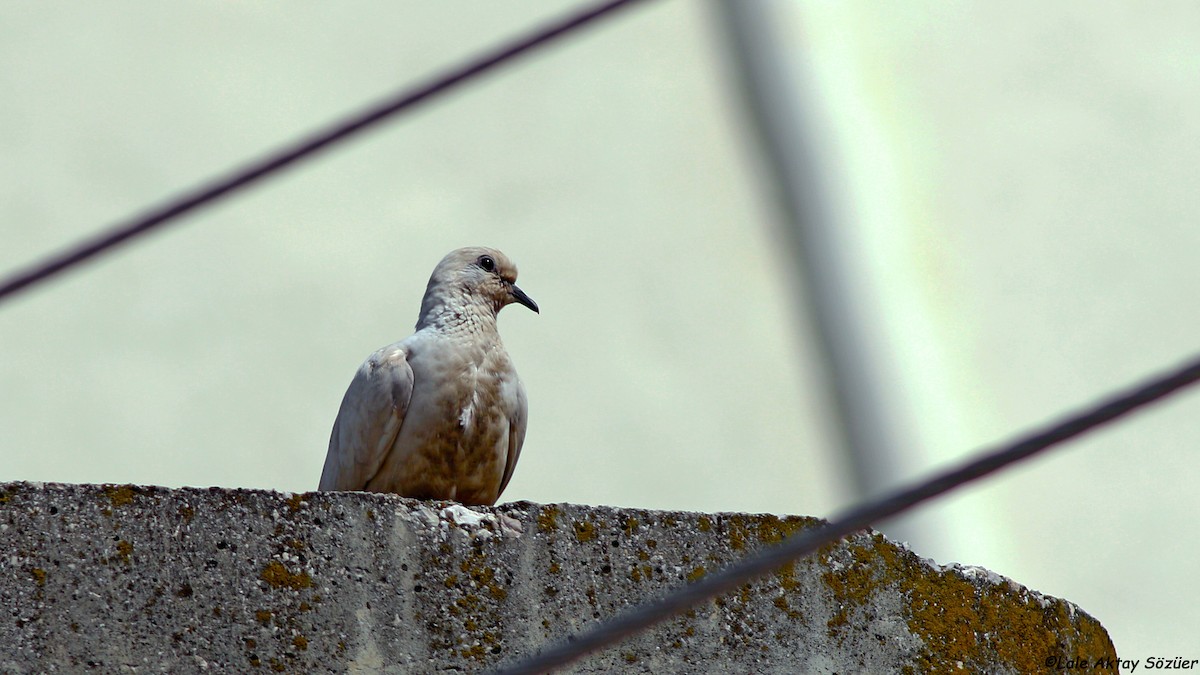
(948, 606)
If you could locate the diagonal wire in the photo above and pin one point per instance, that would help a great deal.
(340, 130)
(855, 519)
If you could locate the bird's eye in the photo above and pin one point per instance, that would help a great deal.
(487, 263)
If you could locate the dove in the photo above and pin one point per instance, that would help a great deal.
(442, 413)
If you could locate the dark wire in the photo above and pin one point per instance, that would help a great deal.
(338, 131)
(853, 520)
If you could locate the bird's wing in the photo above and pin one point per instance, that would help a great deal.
(369, 419)
(516, 435)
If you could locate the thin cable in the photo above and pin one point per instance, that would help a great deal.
(214, 189)
(853, 520)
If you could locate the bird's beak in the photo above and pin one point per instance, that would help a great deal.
(519, 296)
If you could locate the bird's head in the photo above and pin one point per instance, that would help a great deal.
(475, 276)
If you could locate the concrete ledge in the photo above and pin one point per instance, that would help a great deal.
(147, 579)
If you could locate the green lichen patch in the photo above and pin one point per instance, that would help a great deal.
(786, 575)
(479, 570)
(119, 495)
(744, 627)
(743, 530)
(781, 603)
(772, 529)
(278, 576)
(963, 623)
(958, 622)
(476, 652)
(631, 526)
(469, 602)
(642, 572)
(474, 594)
(547, 518)
(584, 531)
(124, 551)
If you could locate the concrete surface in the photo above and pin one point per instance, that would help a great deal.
(149, 579)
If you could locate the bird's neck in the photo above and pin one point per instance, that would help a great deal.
(451, 316)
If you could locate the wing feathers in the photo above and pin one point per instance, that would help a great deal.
(369, 419)
(516, 436)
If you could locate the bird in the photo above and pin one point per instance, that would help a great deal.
(440, 415)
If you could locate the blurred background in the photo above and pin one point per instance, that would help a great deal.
(1000, 201)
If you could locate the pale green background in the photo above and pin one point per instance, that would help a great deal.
(1019, 180)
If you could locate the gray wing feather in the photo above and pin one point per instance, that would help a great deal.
(516, 436)
(369, 419)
